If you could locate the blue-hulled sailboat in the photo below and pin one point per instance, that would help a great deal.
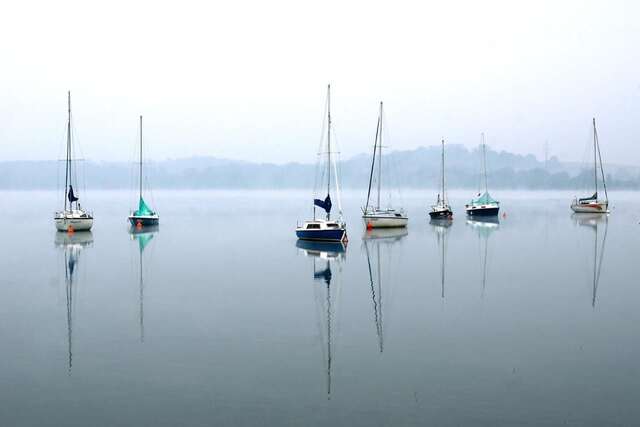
(483, 204)
(326, 229)
(144, 216)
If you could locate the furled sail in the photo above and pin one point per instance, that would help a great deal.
(589, 199)
(143, 209)
(72, 197)
(324, 204)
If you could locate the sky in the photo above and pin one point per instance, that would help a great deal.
(247, 79)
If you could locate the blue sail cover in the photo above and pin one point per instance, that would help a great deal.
(324, 204)
(72, 197)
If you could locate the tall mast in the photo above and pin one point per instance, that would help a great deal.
(443, 198)
(328, 139)
(380, 159)
(140, 157)
(373, 165)
(604, 183)
(484, 162)
(595, 158)
(67, 169)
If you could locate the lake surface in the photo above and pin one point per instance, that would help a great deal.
(220, 318)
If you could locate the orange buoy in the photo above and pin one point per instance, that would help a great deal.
(70, 229)
(369, 225)
(504, 214)
(138, 224)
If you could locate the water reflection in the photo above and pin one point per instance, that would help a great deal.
(374, 240)
(143, 236)
(441, 227)
(72, 245)
(595, 222)
(324, 255)
(484, 227)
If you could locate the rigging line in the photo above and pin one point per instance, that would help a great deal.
(380, 159)
(373, 162)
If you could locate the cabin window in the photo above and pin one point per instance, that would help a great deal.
(399, 215)
(313, 226)
(332, 225)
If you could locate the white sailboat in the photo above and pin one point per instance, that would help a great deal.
(73, 217)
(594, 204)
(374, 216)
(326, 229)
(441, 210)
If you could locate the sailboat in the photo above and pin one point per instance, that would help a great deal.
(144, 216)
(375, 216)
(441, 209)
(593, 204)
(72, 217)
(72, 244)
(483, 204)
(143, 237)
(326, 229)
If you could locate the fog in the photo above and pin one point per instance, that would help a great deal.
(247, 79)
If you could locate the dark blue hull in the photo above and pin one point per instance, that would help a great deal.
(322, 235)
(441, 214)
(484, 212)
(143, 222)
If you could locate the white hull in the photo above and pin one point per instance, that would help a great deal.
(598, 207)
(78, 224)
(383, 221)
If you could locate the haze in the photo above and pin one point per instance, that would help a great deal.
(247, 79)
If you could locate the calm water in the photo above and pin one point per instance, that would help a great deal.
(218, 318)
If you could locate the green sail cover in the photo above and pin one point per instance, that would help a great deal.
(485, 199)
(143, 209)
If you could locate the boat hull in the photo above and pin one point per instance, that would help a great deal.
(599, 208)
(483, 211)
(334, 235)
(144, 221)
(441, 214)
(73, 224)
(382, 221)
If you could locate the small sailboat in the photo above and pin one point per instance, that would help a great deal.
(144, 216)
(326, 229)
(441, 209)
(594, 204)
(376, 216)
(483, 204)
(72, 217)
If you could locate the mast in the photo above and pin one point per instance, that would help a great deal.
(373, 164)
(328, 142)
(595, 161)
(140, 157)
(67, 169)
(484, 162)
(597, 142)
(379, 160)
(444, 202)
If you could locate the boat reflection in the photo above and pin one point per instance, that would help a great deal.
(595, 222)
(441, 227)
(484, 227)
(325, 255)
(375, 242)
(143, 236)
(72, 245)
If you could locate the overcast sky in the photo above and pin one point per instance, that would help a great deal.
(247, 79)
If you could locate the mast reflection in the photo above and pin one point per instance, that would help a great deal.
(324, 254)
(143, 236)
(72, 245)
(441, 228)
(374, 241)
(595, 222)
(484, 227)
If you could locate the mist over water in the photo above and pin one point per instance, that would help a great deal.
(219, 317)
